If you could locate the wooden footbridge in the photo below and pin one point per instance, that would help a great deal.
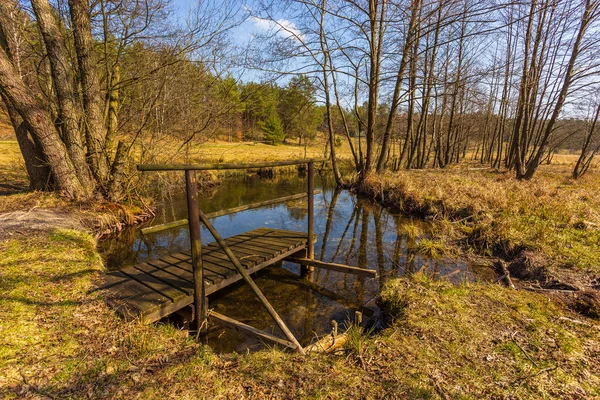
(155, 289)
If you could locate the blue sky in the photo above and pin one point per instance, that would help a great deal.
(245, 32)
(241, 33)
(247, 29)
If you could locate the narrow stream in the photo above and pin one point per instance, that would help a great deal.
(351, 230)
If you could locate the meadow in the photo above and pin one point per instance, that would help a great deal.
(472, 340)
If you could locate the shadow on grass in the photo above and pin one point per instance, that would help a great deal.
(8, 189)
(93, 381)
(62, 303)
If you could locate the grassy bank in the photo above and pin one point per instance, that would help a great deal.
(59, 340)
(549, 226)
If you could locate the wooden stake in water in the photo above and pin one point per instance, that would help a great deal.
(307, 270)
(200, 306)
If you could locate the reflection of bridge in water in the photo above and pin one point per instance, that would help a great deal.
(157, 288)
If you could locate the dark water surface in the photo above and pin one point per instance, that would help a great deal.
(351, 230)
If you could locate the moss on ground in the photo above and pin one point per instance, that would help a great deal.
(58, 339)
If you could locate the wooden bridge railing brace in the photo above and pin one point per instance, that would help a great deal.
(195, 216)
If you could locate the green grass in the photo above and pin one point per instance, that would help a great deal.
(59, 339)
(487, 341)
(432, 248)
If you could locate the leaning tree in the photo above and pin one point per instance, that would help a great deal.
(62, 85)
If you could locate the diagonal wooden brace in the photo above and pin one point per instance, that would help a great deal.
(250, 282)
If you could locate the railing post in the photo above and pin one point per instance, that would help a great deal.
(307, 270)
(196, 249)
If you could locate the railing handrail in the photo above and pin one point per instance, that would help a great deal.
(207, 167)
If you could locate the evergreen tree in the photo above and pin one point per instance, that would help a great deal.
(272, 130)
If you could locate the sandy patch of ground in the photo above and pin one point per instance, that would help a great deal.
(37, 220)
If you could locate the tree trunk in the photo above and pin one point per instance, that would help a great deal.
(398, 85)
(375, 49)
(35, 163)
(334, 166)
(90, 86)
(586, 156)
(68, 105)
(42, 129)
(535, 162)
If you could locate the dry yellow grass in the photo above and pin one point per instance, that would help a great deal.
(247, 152)
(13, 176)
(552, 216)
(6, 130)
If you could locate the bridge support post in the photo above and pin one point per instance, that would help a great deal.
(307, 271)
(200, 307)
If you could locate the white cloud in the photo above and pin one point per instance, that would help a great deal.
(281, 27)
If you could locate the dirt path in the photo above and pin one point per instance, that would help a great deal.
(37, 220)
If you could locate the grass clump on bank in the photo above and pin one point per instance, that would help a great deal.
(550, 221)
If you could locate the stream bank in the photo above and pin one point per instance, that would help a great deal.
(545, 232)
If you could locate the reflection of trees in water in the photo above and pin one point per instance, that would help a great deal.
(363, 230)
(379, 244)
(368, 221)
(330, 213)
(296, 211)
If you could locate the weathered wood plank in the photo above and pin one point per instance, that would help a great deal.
(166, 309)
(237, 277)
(241, 327)
(280, 232)
(171, 292)
(281, 236)
(217, 258)
(167, 278)
(208, 275)
(214, 253)
(137, 298)
(216, 268)
(112, 279)
(334, 267)
(253, 248)
(177, 272)
(243, 254)
(268, 242)
(214, 277)
(206, 167)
